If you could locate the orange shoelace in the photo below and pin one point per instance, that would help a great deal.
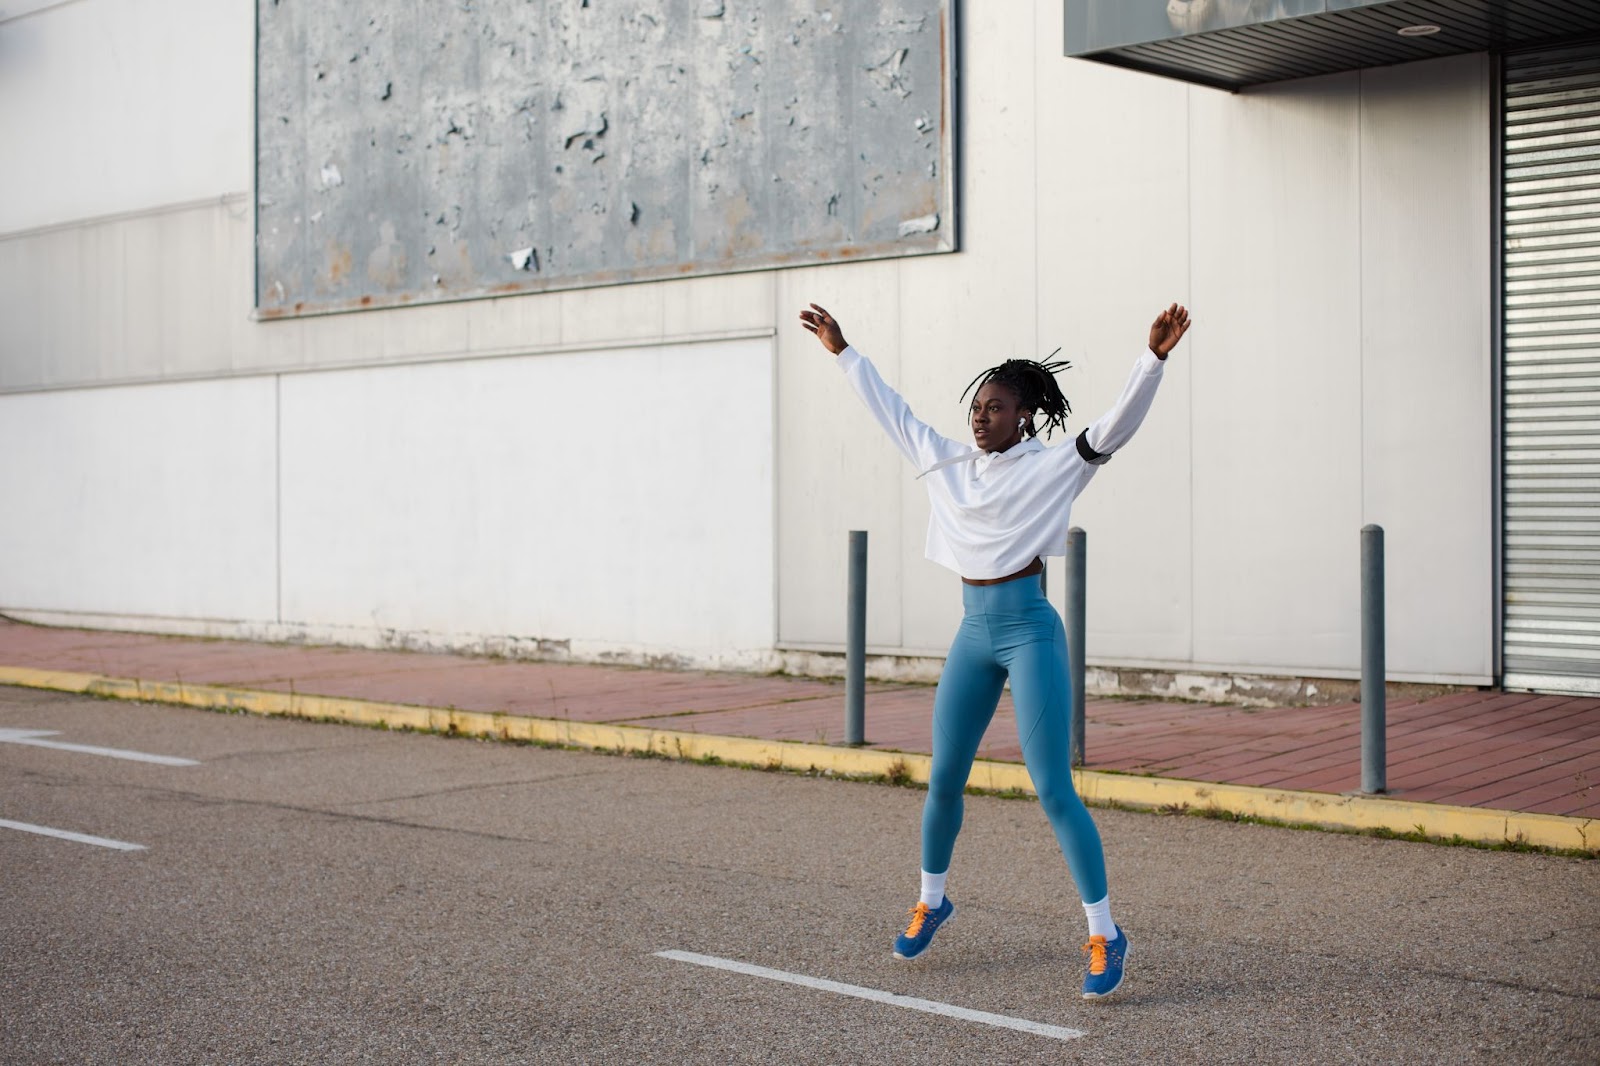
(1096, 950)
(919, 914)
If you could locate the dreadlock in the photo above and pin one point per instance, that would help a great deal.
(1035, 387)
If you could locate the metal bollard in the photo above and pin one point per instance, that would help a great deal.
(1077, 602)
(1374, 709)
(855, 652)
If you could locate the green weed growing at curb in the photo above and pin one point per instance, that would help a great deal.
(1416, 835)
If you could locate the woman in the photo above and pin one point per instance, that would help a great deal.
(997, 510)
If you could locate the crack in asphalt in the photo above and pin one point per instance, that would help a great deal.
(204, 800)
(476, 787)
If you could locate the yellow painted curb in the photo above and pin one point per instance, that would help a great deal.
(1316, 808)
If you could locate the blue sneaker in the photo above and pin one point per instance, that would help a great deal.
(925, 921)
(1105, 965)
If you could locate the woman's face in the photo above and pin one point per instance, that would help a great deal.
(996, 418)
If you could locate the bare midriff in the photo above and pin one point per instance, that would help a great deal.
(1035, 567)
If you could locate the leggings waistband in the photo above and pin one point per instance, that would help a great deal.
(1009, 597)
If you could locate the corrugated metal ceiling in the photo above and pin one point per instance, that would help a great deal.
(1280, 49)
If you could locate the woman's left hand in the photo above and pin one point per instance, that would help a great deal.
(1168, 329)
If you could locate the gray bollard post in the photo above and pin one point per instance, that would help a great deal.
(1374, 709)
(1077, 603)
(855, 653)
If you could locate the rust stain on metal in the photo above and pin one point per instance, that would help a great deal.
(600, 279)
(339, 262)
(944, 71)
(739, 241)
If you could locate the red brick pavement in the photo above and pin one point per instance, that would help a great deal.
(1512, 751)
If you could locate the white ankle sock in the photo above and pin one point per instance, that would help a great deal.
(933, 888)
(1099, 915)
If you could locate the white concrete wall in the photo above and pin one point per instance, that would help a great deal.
(110, 106)
(151, 500)
(1331, 237)
(592, 499)
(1427, 407)
(578, 502)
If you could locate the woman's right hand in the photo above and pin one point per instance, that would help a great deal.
(827, 330)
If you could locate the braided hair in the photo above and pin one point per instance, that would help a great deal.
(1034, 385)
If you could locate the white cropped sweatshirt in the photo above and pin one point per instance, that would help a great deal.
(994, 511)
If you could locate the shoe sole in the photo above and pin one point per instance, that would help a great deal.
(1126, 952)
(924, 951)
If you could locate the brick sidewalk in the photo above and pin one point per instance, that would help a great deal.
(1506, 751)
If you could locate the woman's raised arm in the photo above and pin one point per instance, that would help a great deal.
(1116, 427)
(917, 441)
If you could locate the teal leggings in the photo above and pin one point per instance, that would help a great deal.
(1009, 629)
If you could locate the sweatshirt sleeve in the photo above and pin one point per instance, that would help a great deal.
(917, 441)
(1116, 427)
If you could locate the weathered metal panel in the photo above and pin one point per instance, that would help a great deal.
(1552, 368)
(418, 152)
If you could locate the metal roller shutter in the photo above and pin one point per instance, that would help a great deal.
(1551, 385)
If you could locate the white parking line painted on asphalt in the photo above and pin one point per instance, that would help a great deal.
(1054, 1032)
(32, 737)
(67, 834)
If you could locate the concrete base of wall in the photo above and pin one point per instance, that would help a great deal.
(1216, 686)
(1252, 690)
(492, 645)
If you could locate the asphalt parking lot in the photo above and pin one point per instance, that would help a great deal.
(318, 893)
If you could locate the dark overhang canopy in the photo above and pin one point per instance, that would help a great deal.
(1232, 44)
